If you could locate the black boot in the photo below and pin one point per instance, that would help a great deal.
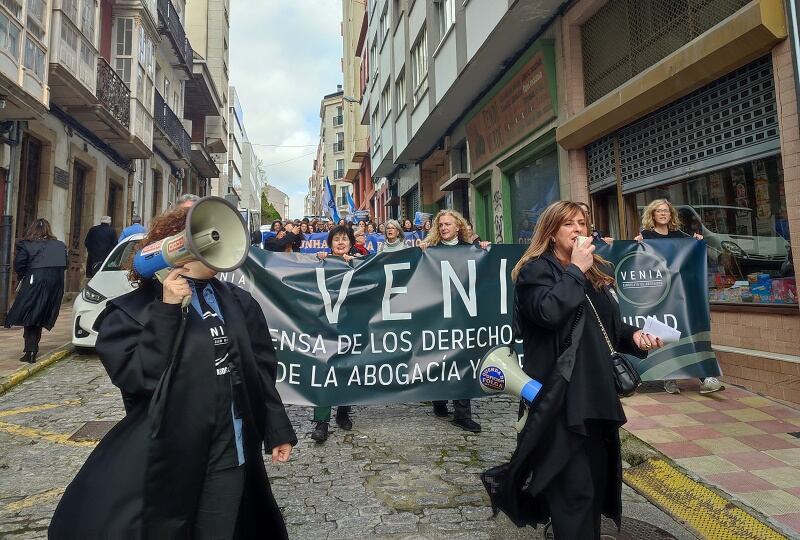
(343, 420)
(320, 433)
(26, 357)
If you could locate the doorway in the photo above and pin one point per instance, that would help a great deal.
(115, 205)
(76, 233)
(30, 172)
(156, 202)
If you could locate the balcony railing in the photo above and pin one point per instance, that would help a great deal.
(338, 146)
(113, 93)
(171, 125)
(338, 173)
(338, 120)
(170, 24)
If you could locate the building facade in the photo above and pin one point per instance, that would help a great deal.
(332, 153)
(279, 200)
(701, 110)
(94, 121)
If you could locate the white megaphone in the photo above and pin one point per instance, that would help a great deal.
(215, 234)
(500, 372)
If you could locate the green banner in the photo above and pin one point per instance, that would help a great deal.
(414, 325)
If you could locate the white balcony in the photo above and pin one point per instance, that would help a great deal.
(73, 64)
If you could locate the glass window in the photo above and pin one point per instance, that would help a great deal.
(447, 16)
(87, 19)
(741, 213)
(533, 188)
(419, 66)
(120, 254)
(124, 49)
(400, 92)
(9, 37)
(386, 101)
(70, 7)
(34, 58)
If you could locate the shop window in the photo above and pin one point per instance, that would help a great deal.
(741, 213)
(532, 188)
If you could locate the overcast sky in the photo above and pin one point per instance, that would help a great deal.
(284, 56)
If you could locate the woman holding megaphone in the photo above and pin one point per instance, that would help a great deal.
(567, 465)
(195, 360)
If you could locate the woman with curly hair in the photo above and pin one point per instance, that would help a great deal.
(186, 461)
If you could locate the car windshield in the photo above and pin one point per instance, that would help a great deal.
(725, 220)
(119, 256)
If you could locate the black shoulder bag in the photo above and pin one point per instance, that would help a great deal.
(626, 378)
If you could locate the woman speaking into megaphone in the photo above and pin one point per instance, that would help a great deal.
(195, 362)
(567, 466)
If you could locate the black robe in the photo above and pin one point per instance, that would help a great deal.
(99, 242)
(134, 486)
(561, 341)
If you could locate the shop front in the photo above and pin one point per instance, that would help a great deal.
(512, 148)
(717, 156)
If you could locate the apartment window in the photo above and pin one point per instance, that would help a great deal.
(34, 58)
(145, 68)
(124, 49)
(339, 171)
(69, 46)
(386, 102)
(446, 10)
(36, 10)
(338, 146)
(87, 19)
(375, 127)
(338, 119)
(14, 6)
(373, 58)
(9, 36)
(70, 7)
(383, 23)
(419, 65)
(400, 92)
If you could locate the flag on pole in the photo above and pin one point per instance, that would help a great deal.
(351, 205)
(329, 202)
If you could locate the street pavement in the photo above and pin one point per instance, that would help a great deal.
(401, 473)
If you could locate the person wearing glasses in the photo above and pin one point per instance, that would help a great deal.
(660, 220)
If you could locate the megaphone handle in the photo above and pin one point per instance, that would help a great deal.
(161, 275)
(522, 421)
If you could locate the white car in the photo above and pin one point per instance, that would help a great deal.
(109, 282)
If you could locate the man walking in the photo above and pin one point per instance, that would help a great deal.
(135, 227)
(100, 240)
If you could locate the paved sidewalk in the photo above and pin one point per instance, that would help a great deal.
(739, 442)
(11, 342)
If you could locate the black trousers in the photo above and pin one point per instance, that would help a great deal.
(218, 508)
(32, 336)
(461, 408)
(577, 493)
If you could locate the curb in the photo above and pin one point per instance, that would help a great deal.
(23, 373)
(674, 490)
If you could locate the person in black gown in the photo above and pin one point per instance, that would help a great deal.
(567, 466)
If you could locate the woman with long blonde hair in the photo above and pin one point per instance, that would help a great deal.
(660, 220)
(567, 467)
(449, 228)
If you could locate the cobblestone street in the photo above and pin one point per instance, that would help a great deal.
(401, 472)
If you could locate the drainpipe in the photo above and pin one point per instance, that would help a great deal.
(7, 224)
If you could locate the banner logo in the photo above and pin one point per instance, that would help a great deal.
(493, 378)
(643, 279)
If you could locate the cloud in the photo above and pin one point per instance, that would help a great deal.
(284, 57)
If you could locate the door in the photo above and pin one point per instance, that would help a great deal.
(28, 197)
(75, 247)
(115, 209)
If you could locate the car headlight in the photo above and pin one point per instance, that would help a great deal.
(92, 296)
(733, 247)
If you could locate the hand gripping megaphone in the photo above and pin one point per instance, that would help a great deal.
(215, 234)
(500, 372)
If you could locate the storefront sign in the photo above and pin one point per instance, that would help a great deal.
(414, 325)
(520, 103)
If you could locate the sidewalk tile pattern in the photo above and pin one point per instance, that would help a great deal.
(737, 441)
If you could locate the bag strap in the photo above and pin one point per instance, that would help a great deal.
(602, 328)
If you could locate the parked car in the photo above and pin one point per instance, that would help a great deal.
(729, 232)
(109, 282)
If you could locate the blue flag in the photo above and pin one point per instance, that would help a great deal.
(329, 202)
(351, 205)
